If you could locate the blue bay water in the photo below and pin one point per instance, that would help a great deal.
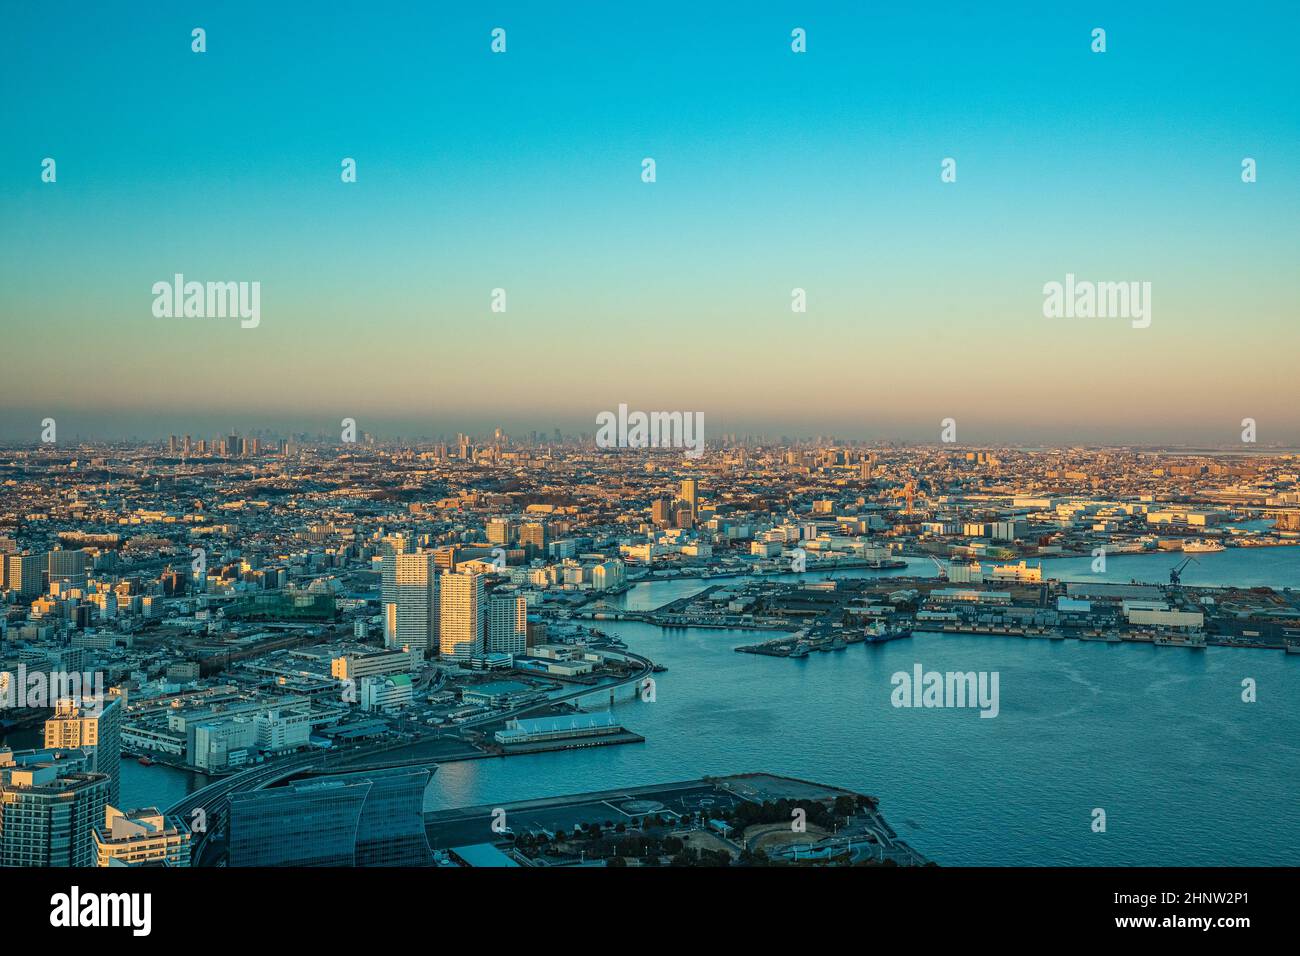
(1157, 737)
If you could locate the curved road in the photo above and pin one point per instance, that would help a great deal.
(211, 799)
(647, 668)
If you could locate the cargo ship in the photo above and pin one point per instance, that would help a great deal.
(1201, 546)
(884, 564)
(880, 633)
(1166, 639)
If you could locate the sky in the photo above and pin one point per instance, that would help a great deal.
(774, 171)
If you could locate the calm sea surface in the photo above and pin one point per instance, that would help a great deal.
(1157, 737)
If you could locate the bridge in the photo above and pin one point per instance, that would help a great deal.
(604, 611)
(645, 670)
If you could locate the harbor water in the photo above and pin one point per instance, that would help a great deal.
(1158, 738)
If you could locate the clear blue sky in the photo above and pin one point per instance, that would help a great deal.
(775, 170)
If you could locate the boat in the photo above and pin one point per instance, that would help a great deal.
(884, 564)
(1108, 638)
(1202, 546)
(800, 650)
(1194, 641)
(145, 761)
(879, 633)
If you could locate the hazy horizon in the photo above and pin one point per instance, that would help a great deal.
(75, 427)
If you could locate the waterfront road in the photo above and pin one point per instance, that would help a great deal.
(205, 810)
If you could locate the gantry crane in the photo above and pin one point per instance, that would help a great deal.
(1176, 574)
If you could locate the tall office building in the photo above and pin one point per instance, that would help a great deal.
(26, 573)
(461, 620)
(8, 546)
(501, 531)
(390, 546)
(48, 817)
(68, 566)
(366, 818)
(532, 538)
(690, 491)
(661, 511)
(507, 631)
(96, 727)
(411, 620)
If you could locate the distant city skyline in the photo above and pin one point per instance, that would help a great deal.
(92, 428)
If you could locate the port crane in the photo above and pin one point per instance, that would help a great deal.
(942, 568)
(1176, 574)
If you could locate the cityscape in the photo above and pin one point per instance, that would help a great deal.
(277, 644)
(839, 455)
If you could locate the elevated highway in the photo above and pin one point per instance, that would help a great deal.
(207, 809)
